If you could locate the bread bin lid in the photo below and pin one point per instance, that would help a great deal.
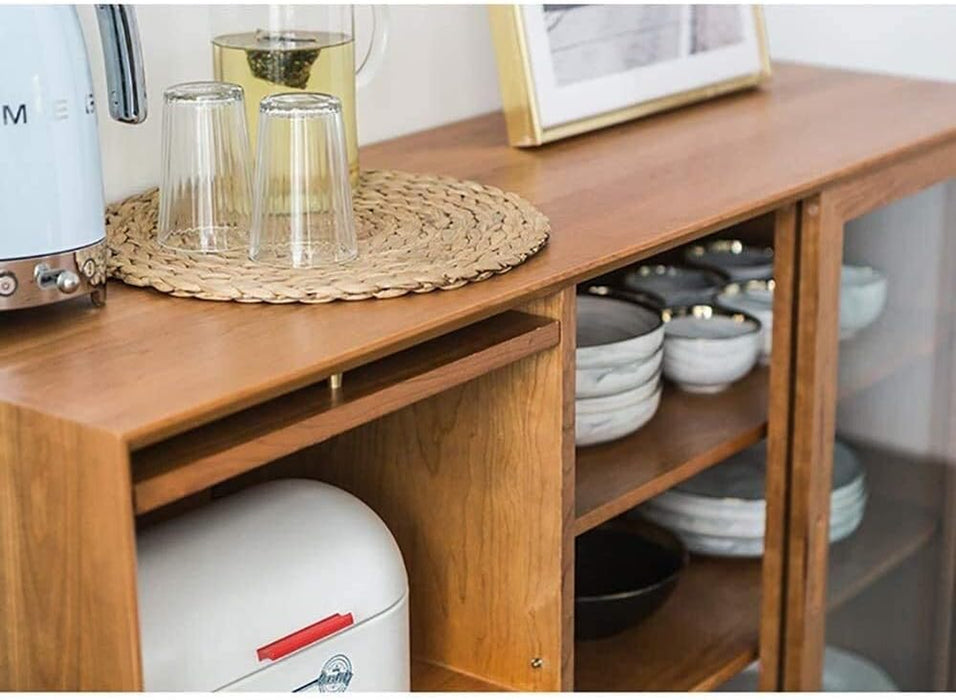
(223, 582)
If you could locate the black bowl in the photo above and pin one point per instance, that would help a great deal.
(621, 575)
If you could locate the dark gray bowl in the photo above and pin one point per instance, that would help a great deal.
(623, 574)
(668, 285)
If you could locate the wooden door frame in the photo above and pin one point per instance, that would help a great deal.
(773, 590)
(821, 218)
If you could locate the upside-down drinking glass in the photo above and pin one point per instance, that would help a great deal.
(204, 197)
(302, 203)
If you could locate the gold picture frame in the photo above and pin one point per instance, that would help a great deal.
(522, 114)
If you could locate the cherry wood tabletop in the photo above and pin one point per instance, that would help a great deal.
(148, 366)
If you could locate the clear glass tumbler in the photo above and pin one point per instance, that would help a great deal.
(302, 203)
(205, 191)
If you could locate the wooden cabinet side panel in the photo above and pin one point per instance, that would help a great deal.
(476, 485)
(68, 616)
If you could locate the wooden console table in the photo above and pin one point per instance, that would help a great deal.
(455, 420)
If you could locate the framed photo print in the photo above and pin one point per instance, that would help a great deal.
(567, 69)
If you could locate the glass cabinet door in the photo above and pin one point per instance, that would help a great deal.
(892, 530)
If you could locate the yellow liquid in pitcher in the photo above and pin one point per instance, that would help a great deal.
(292, 62)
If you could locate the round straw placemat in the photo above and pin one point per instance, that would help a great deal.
(416, 233)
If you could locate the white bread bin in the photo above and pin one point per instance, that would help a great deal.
(290, 585)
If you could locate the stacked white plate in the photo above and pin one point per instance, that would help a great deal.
(618, 375)
(722, 511)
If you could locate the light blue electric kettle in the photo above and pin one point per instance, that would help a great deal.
(51, 183)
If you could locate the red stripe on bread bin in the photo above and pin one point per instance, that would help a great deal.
(305, 636)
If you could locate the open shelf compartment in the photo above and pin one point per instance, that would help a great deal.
(208, 455)
(707, 631)
(432, 678)
(689, 433)
(704, 634)
(902, 516)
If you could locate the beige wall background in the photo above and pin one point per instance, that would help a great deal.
(439, 66)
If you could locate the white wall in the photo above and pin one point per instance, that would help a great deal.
(440, 65)
(905, 40)
(439, 68)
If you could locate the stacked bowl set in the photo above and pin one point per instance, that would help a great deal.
(702, 327)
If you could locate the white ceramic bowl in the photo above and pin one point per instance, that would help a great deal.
(706, 349)
(614, 402)
(607, 381)
(593, 426)
(732, 258)
(754, 297)
(614, 332)
(862, 298)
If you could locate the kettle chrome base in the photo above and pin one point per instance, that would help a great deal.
(48, 279)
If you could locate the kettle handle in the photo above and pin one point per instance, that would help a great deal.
(124, 62)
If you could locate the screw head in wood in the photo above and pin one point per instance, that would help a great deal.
(537, 662)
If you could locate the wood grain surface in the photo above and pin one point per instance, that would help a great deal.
(208, 455)
(431, 678)
(813, 426)
(903, 178)
(477, 482)
(158, 365)
(562, 307)
(689, 433)
(474, 485)
(782, 369)
(68, 616)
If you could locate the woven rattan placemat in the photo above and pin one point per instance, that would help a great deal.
(417, 233)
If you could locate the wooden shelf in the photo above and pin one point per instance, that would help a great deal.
(902, 515)
(877, 353)
(689, 433)
(181, 466)
(890, 533)
(705, 634)
(431, 678)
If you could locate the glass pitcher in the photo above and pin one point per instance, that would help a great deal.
(269, 49)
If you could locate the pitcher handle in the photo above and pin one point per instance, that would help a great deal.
(376, 48)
